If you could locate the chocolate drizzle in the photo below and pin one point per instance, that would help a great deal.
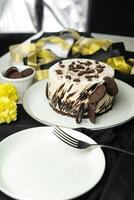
(80, 113)
(47, 90)
(93, 86)
(85, 93)
(57, 99)
(60, 88)
(104, 106)
(70, 95)
(70, 88)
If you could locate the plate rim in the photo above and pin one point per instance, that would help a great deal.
(21, 197)
(73, 127)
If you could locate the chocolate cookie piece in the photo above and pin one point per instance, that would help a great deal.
(91, 112)
(80, 113)
(27, 72)
(97, 94)
(111, 86)
(16, 75)
(10, 71)
(99, 70)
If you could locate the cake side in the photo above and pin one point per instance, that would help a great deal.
(81, 88)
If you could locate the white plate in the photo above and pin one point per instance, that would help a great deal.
(36, 165)
(36, 105)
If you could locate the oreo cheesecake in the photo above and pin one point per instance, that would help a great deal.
(81, 88)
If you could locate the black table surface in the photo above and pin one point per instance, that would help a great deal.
(117, 182)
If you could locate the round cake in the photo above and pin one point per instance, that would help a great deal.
(81, 88)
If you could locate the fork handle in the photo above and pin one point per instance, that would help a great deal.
(114, 148)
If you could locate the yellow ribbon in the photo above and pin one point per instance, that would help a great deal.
(88, 46)
(41, 74)
(52, 39)
(19, 51)
(119, 64)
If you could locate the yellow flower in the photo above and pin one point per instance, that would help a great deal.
(8, 90)
(8, 110)
(8, 99)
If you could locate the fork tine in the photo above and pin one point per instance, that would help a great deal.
(66, 135)
(64, 139)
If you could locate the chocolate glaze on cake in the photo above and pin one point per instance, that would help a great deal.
(82, 88)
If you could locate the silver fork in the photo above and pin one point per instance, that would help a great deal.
(68, 139)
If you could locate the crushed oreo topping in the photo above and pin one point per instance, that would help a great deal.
(71, 67)
(79, 66)
(80, 62)
(88, 63)
(99, 70)
(96, 76)
(76, 80)
(88, 76)
(81, 73)
(97, 62)
(62, 66)
(100, 66)
(88, 68)
(58, 71)
(90, 71)
(68, 77)
(75, 70)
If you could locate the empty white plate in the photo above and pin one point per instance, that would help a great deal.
(37, 106)
(36, 165)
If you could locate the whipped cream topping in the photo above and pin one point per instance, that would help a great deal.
(80, 73)
(80, 68)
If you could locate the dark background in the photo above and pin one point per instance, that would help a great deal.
(112, 17)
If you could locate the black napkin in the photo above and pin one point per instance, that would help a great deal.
(118, 179)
